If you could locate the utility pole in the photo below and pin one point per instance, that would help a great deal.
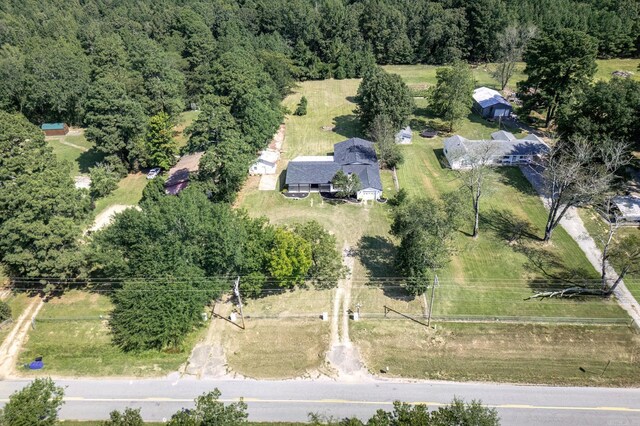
(236, 291)
(433, 293)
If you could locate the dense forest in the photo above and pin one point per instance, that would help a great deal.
(76, 61)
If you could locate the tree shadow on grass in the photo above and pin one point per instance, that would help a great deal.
(552, 272)
(508, 226)
(347, 125)
(89, 159)
(513, 177)
(377, 255)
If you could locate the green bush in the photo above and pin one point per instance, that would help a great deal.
(302, 107)
(104, 180)
(5, 311)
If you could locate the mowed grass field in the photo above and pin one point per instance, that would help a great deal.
(75, 341)
(422, 76)
(487, 277)
(517, 353)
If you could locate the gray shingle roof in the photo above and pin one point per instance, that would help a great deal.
(369, 174)
(529, 145)
(354, 151)
(311, 172)
(502, 135)
(354, 155)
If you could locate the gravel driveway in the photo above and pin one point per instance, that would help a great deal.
(574, 226)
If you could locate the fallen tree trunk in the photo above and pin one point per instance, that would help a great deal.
(571, 292)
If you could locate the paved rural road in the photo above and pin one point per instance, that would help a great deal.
(293, 400)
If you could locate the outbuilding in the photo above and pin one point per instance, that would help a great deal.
(55, 129)
(266, 164)
(404, 136)
(629, 208)
(490, 104)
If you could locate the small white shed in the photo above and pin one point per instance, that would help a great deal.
(404, 136)
(266, 164)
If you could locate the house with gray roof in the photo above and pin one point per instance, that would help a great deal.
(503, 149)
(314, 173)
(490, 103)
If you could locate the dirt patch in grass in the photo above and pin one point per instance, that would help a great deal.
(278, 348)
(541, 354)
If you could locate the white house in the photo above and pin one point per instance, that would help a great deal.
(266, 164)
(404, 136)
(503, 149)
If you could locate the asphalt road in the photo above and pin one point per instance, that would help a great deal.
(293, 400)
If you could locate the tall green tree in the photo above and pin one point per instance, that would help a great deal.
(451, 98)
(425, 228)
(290, 258)
(162, 148)
(346, 185)
(592, 115)
(113, 119)
(213, 125)
(386, 94)
(559, 66)
(104, 180)
(155, 315)
(383, 133)
(40, 210)
(37, 403)
(326, 267)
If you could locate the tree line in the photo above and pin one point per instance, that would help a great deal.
(63, 61)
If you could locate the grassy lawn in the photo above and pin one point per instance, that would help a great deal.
(502, 352)
(277, 348)
(75, 341)
(129, 192)
(77, 151)
(284, 335)
(184, 120)
(422, 76)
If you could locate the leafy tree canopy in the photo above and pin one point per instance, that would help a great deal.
(559, 65)
(381, 93)
(35, 404)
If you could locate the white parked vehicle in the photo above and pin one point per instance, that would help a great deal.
(153, 173)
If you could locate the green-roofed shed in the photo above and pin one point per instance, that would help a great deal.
(55, 129)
